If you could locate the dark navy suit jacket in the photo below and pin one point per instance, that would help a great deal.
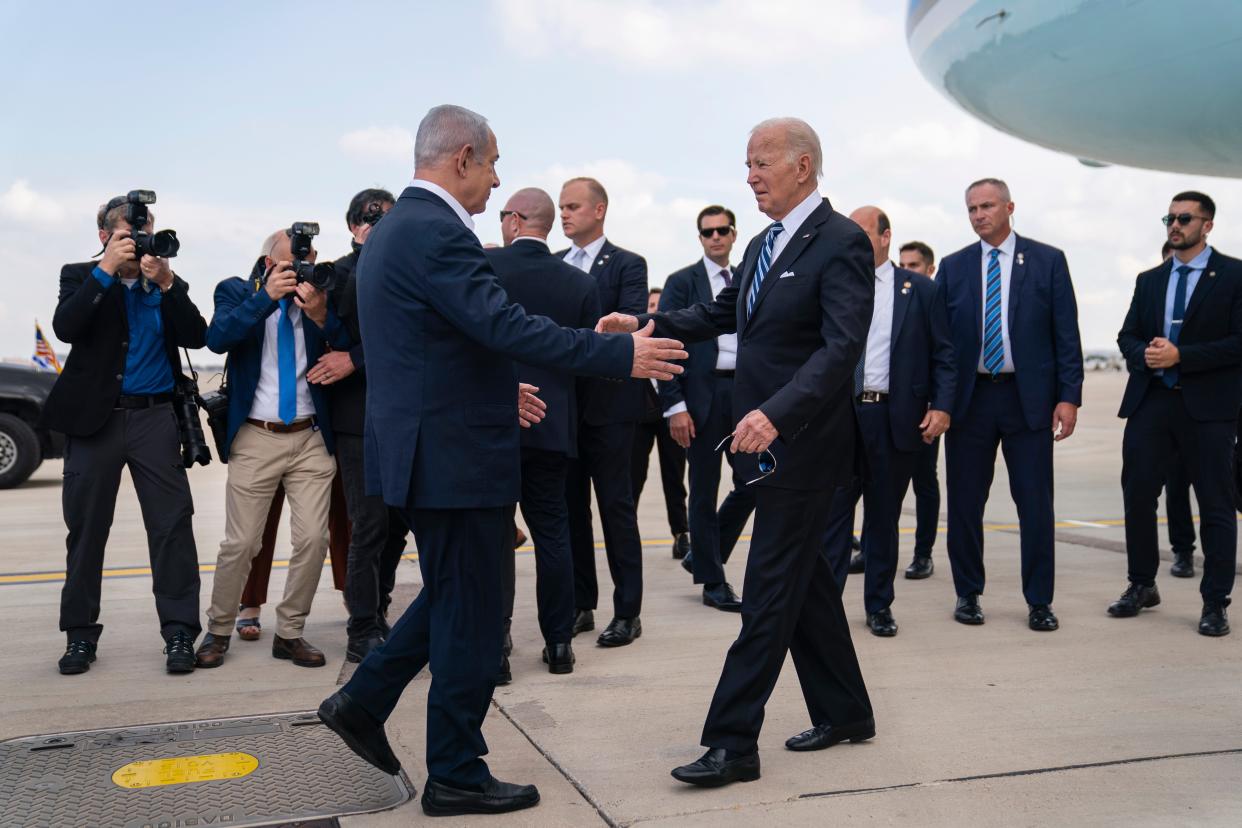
(921, 371)
(1210, 371)
(441, 335)
(543, 284)
(691, 286)
(238, 327)
(797, 352)
(1043, 327)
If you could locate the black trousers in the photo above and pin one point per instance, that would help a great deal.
(714, 532)
(926, 486)
(604, 457)
(790, 604)
(376, 543)
(145, 440)
(453, 626)
(547, 517)
(1156, 431)
(672, 470)
(1177, 508)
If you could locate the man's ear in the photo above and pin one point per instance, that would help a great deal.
(463, 160)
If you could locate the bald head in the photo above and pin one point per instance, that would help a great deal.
(876, 225)
(528, 212)
(277, 247)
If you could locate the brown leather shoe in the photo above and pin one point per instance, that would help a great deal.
(297, 650)
(210, 652)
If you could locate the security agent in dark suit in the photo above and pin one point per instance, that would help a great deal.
(1014, 322)
(1182, 340)
(608, 411)
(699, 408)
(442, 443)
(545, 285)
(903, 387)
(800, 307)
(125, 318)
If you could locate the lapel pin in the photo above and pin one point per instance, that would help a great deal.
(1020, 259)
(905, 288)
(1211, 273)
(807, 236)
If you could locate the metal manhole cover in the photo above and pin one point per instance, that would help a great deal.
(260, 770)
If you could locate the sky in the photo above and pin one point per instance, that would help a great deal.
(245, 117)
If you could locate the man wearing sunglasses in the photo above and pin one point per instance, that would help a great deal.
(1182, 340)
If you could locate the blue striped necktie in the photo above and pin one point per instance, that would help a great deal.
(993, 341)
(286, 360)
(761, 268)
(1172, 375)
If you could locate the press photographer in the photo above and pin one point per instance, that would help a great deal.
(124, 318)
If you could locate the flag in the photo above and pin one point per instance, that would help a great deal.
(44, 357)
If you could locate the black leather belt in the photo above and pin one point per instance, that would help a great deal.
(146, 401)
(719, 372)
(994, 378)
(872, 397)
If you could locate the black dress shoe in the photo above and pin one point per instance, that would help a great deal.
(584, 621)
(921, 567)
(359, 731)
(504, 675)
(1183, 565)
(681, 545)
(714, 769)
(826, 735)
(620, 631)
(559, 658)
(722, 597)
(1214, 621)
(359, 648)
(1135, 598)
(687, 563)
(881, 623)
(968, 610)
(855, 543)
(179, 650)
(858, 564)
(78, 657)
(496, 797)
(1041, 618)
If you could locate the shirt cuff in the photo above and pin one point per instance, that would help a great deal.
(677, 408)
(102, 277)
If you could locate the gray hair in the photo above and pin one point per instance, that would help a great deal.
(272, 242)
(800, 139)
(444, 130)
(995, 182)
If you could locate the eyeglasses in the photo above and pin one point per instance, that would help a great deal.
(504, 214)
(1181, 218)
(706, 232)
(767, 462)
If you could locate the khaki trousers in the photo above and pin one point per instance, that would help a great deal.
(258, 461)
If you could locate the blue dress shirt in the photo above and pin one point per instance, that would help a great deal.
(146, 363)
(1197, 265)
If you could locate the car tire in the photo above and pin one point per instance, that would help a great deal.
(19, 451)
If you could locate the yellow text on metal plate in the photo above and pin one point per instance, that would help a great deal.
(152, 773)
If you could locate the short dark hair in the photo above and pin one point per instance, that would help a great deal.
(714, 210)
(359, 204)
(921, 248)
(654, 289)
(1165, 250)
(882, 224)
(1203, 199)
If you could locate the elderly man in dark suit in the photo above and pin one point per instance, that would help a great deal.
(800, 307)
(442, 443)
(1182, 340)
(1014, 322)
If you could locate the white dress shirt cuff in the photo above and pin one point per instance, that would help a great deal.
(676, 409)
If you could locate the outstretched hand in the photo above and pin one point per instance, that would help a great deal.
(531, 409)
(652, 357)
(617, 323)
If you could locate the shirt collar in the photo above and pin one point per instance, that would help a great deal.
(129, 284)
(436, 189)
(1198, 262)
(884, 273)
(544, 242)
(799, 214)
(712, 268)
(1006, 247)
(592, 249)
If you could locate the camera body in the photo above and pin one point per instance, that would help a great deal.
(163, 243)
(374, 213)
(322, 276)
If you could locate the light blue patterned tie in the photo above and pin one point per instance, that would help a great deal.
(993, 341)
(761, 268)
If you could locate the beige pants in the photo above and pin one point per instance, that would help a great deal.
(258, 461)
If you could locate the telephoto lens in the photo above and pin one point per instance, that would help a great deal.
(189, 428)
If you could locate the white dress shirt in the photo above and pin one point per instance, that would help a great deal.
(1006, 265)
(880, 334)
(792, 222)
(583, 263)
(726, 344)
(432, 187)
(266, 405)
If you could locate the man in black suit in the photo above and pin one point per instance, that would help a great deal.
(1182, 340)
(543, 284)
(125, 318)
(801, 307)
(699, 407)
(1177, 500)
(608, 411)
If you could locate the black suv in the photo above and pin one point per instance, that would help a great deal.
(23, 444)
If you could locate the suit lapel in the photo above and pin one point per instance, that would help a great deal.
(902, 288)
(1017, 274)
(702, 283)
(747, 271)
(1207, 281)
(602, 260)
(794, 248)
(1160, 286)
(974, 282)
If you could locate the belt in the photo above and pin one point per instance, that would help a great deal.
(872, 397)
(143, 401)
(994, 378)
(281, 428)
(724, 374)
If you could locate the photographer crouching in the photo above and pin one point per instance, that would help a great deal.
(124, 318)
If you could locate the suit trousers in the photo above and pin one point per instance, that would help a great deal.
(888, 477)
(604, 456)
(714, 532)
(672, 470)
(993, 419)
(1177, 508)
(146, 441)
(454, 626)
(259, 460)
(1158, 429)
(926, 486)
(790, 604)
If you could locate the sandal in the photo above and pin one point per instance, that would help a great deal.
(249, 629)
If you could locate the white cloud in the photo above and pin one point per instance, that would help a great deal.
(392, 143)
(922, 142)
(21, 203)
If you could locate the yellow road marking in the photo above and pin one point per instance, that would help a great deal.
(209, 767)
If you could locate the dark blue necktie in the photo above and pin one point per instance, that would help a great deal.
(1175, 324)
(993, 337)
(286, 358)
(860, 372)
(761, 269)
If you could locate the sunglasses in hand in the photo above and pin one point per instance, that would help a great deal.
(767, 462)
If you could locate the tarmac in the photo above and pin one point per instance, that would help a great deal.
(1105, 722)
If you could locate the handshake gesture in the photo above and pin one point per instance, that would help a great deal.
(652, 357)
